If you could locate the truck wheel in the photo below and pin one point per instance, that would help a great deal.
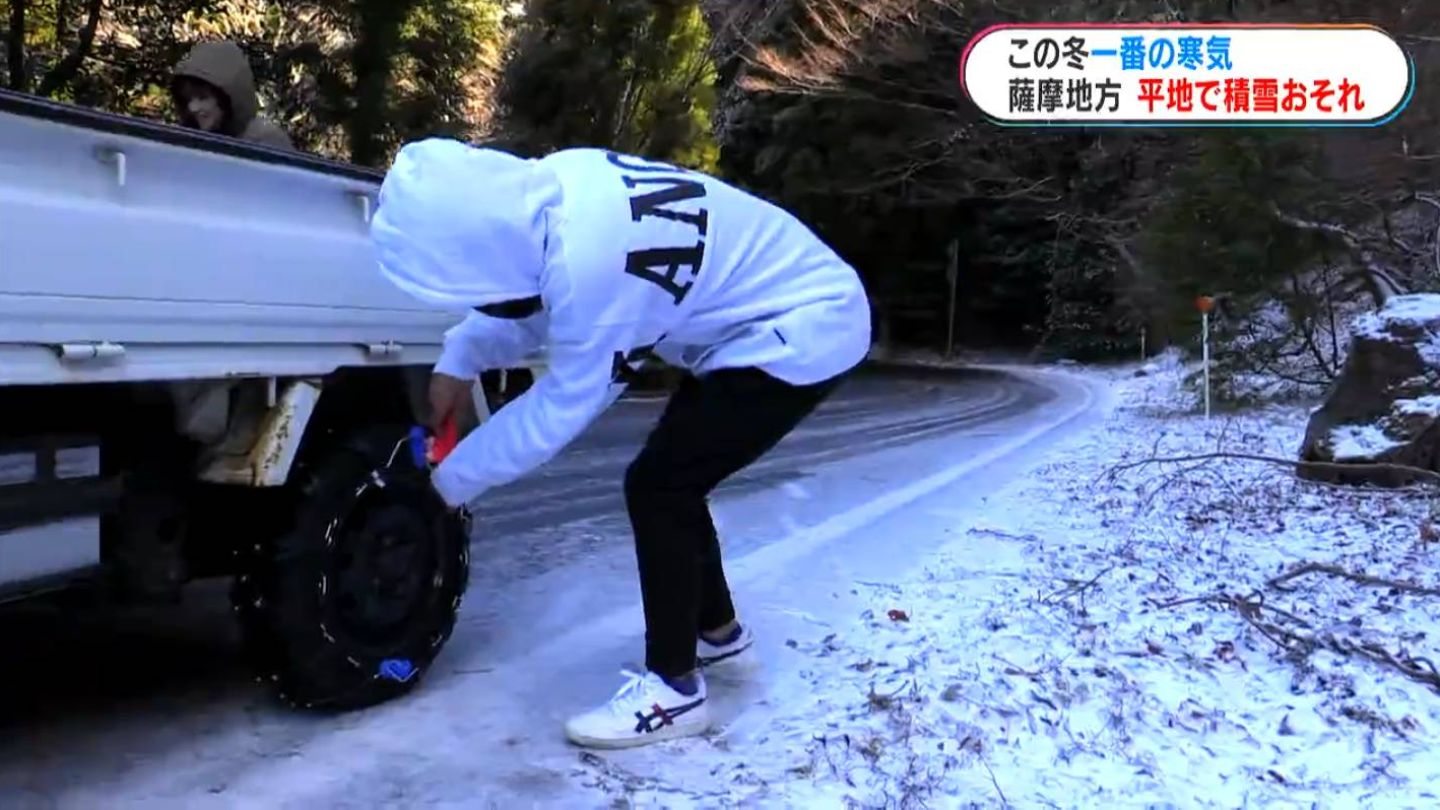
(349, 607)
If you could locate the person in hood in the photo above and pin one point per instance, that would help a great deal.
(606, 259)
(214, 90)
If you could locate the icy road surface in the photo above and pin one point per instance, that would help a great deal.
(154, 707)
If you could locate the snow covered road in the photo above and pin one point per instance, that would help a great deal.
(153, 708)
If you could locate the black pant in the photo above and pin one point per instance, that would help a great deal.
(712, 427)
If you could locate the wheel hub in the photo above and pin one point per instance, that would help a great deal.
(383, 562)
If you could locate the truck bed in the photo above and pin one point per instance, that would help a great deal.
(131, 250)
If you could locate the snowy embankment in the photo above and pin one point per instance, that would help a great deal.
(1119, 632)
(1407, 320)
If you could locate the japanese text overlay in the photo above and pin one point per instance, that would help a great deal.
(1187, 74)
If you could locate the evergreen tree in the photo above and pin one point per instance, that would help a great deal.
(632, 75)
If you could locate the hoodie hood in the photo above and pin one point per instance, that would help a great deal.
(459, 226)
(223, 65)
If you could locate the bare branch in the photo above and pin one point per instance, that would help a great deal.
(1359, 577)
(1435, 203)
(1382, 280)
(64, 70)
(1253, 604)
(1252, 608)
(1318, 466)
(1416, 669)
(1075, 588)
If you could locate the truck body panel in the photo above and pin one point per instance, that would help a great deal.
(186, 263)
(184, 302)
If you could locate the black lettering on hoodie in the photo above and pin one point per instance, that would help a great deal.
(663, 266)
(678, 190)
(634, 164)
(669, 267)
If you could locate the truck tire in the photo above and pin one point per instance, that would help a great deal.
(350, 606)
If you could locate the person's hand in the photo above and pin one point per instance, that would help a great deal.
(447, 395)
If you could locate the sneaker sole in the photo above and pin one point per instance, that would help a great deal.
(703, 662)
(671, 732)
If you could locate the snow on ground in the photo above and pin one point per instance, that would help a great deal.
(1110, 637)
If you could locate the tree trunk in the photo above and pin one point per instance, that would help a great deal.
(373, 60)
(15, 47)
(64, 71)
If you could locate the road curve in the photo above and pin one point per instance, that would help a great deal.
(879, 409)
(155, 704)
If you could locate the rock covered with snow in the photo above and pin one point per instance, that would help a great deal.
(1385, 404)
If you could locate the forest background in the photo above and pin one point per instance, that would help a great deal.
(1082, 244)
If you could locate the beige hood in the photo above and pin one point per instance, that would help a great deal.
(222, 64)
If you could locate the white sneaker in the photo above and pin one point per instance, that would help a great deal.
(645, 710)
(708, 655)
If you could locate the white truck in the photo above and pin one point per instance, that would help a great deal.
(201, 371)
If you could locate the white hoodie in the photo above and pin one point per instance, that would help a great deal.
(626, 255)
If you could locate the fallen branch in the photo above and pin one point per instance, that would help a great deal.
(1004, 802)
(1354, 576)
(1166, 482)
(1419, 670)
(614, 777)
(884, 586)
(1027, 538)
(1249, 609)
(1012, 668)
(1430, 199)
(1076, 587)
(1330, 466)
(1251, 605)
(1298, 646)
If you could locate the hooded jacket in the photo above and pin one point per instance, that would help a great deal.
(223, 65)
(629, 257)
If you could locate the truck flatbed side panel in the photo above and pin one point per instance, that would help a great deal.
(197, 262)
(37, 365)
(99, 121)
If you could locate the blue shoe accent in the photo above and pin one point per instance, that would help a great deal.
(731, 638)
(687, 686)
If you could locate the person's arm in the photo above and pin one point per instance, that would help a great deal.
(480, 343)
(531, 430)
